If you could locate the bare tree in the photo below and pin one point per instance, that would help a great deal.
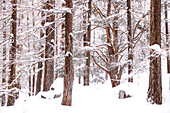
(110, 48)
(155, 81)
(69, 73)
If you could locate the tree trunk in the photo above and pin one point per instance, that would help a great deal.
(56, 46)
(33, 24)
(68, 77)
(167, 36)
(29, 68)
(12, 80)
(87, 71)
(4, 59)
(130, 46)
(115, 43)
(40, 63)
(155, 81)
(110, 49)
(49, 48)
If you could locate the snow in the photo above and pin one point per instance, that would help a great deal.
(97, 98)
(157, 48)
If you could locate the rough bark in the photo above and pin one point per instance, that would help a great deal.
(167, 36)
(4, 59)
(155, 81)
(12, 80)
(130, 46)
(49, 48)
(68, 77)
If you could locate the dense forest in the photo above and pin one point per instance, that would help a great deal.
(84, 42)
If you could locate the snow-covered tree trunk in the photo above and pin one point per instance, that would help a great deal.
(13, 79)
(155, 79)
(87, 71)
(130, 43)
(4, 59)
(40, 63)
(49, 47)
(33, 24)
(110, 49)
(69, 73)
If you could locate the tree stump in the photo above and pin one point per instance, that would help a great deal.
(122, 94)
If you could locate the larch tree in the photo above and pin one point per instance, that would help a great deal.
(112, 44)
(110, 48)
(167, 36)
(49, 47)
(88, 37)
(130, 43)
(155, 79)
(68, 73)
(13, 79)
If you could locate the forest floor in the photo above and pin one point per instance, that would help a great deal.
(96, 98)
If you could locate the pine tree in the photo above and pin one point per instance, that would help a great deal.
(155, 81)
(69, 73)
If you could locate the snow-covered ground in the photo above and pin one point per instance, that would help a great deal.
(97, 98)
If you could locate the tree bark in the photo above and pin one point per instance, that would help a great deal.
(167, 36)
(12, 80)
(155, 80)
(49, 48)
(130, 46)
(4, 58)
(87, 71)
(69, 73)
